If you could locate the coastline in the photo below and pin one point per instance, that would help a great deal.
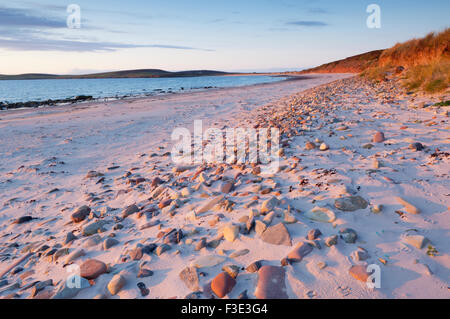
(48, 152)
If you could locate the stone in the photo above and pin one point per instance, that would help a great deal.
(321, 214)
(416, 147)
(92, 241)
(360, 254)
(310, 146)
(260, 227)
(351, 203)
(186, 192)
(40, 286)
(271, 283)
(74, 255)
(324, 147)
(69, 237)
(92, 268)
(143, 289)
(23, 219)
(80, 214)
(201, 244)
(116, 284)
(208, 261)
(144, 272)
(94, 227)
(268, 218)
(129, 211)
(222, 284)
(376, 209)
(136, 253)
(210, 204)
(277, 235)
(301, 250)
(227, 187)
(190, 278)
(410, 208)
(161, 249)
(232, 270)
(378, 137)
(314, 234)
(69, 288)
(239, 253)
(417, 241)
(331, 241)
(348, 235)
(269, 204)
(230, 232)
(243, 295)
(359, 272)
(322, 265)
(109, 242)
(254, 266)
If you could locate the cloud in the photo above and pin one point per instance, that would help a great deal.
(11, 17)
(308, 23)
(318, 11)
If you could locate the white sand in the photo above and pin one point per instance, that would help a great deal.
(55, 147)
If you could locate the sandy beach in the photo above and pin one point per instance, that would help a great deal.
(92, 185)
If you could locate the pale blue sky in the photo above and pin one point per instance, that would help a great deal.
(250, 35)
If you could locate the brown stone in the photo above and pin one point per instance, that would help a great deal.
(271, 283)
(378, 137)
(359, 272)
(277, 235)
(301, 250)
(80, 214)
(222, 284)
(92, 268)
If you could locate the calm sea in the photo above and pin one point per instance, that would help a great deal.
(13, 91)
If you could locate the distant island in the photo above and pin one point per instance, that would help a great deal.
(141, 73)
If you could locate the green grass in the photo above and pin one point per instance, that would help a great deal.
(443, 103)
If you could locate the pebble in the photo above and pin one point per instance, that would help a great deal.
(143, 289)
(260, 227)
(314, 234)
(310, 146)
(109, 242)
(277, 235)
(331, 241)
(271, 283)
(190, 278)
(269, 204)
(301, 250)
(161, 249)
(410, 208)
(80, 214)
(116, 284)
(416, 147)
(232, 270)
(378, 137)
(231, 232)
(417, 241)
(74, 255)
(321, 214)
(222, 284)
(144, 272)
(92, 268)
(348, 235)
(94, 227)
(239, 253)
(324, 147)
(359, 272)
(254, 266)
(351, 203)
(360, 254)
(208, 261)
(129, 211)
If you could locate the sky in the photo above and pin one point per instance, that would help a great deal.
(231, 35)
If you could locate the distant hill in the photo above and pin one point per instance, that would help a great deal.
(420, 64)
(143, 73)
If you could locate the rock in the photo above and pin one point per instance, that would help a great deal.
(208, 261)
(136, 253)
(232, 270)
(186, 192)
(69, 237)
(161, 249)
(231, 232)
(254, 266)
(322, 265)
(324, 147)
(23, 219)
(94, 227)
(360, 254)
(378, 137)
(321, 214)
(143, 289)
(314, 234)
(301, 250)
(92, 268)
(74, 255)
(129, 211)
(268, 218)
(92, 241)
(190, 278)
(417, 241)
(410, 208)
(116, 284)
(351, 203)
(239, 253)
(310, 146)
(348, 235)
(69, 288)
(227, 187)
(40, 286)
(210, 204)
(109, 242)
(271, 283)
(277, 235)
(59, 253)
(80, 214)
(201, 244)
(181, 168)
(331, 241)
(269, 204)
(260, 227)
(376, 209)
(243, 295)
(144, 272)
(359, 272)
(222, 284)
(416, 147)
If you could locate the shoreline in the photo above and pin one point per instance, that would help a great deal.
(110, 156)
